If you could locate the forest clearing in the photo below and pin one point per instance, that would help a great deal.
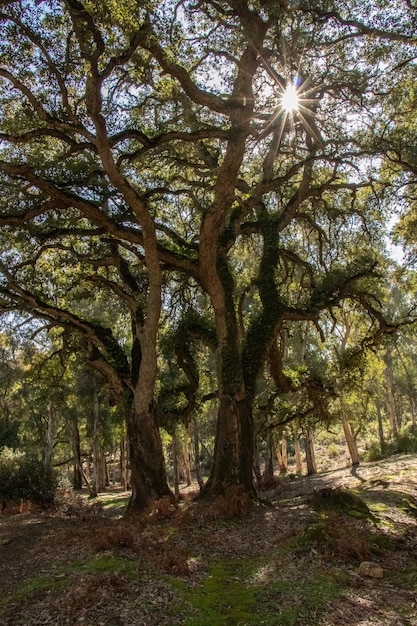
(225, 562)
(208, 255)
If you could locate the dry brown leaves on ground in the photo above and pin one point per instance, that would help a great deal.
(93, 569)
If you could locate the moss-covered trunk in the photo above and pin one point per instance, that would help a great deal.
(234, 448)
(234, 445)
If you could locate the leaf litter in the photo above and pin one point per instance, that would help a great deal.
(296, 560)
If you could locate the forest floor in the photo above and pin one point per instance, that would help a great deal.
(294, 561)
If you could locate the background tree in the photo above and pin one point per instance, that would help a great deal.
(11, 373)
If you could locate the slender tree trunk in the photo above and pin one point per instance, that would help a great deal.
(104, 472)
(76, 450)
(310, 453)
(123, 463)
(298, 460)
(389, 396)
(283, 468)
(412, 409)
(269, 457)
(175, 462)
(86, 472)
(257, 463)
(351, 441)
(380, 429)
(50, 435)
(281, 462)
(197, 461)
(187, 464)
(98, 483)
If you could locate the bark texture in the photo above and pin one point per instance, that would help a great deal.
(148, 474)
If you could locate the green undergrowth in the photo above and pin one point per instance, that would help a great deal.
(341, 539)
(406, 578)
(409, 506)
(110, 564)
(34, 586)
(65, 576)
(378, 507)
(248, 592)
(117, 502)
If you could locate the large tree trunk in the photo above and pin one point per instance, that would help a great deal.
(148, 474)
(234, 448)
(234, 445)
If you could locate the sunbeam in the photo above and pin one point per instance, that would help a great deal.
(289, 100)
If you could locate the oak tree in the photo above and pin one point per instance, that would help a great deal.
(145, 144)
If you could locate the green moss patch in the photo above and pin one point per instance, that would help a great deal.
(35, 586)
(251, 592)
(409, 506)
(110, 564)
(406, 578)
(101, 564)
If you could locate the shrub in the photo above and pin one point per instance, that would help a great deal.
(333, 450)
(23, 477)
(69, 503)
(406, 441)
(374, 452)
(9, 469)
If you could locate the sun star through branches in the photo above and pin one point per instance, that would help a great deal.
(289, 100)
(296, 104)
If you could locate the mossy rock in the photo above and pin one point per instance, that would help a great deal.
(336, 537)
(341, 500)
